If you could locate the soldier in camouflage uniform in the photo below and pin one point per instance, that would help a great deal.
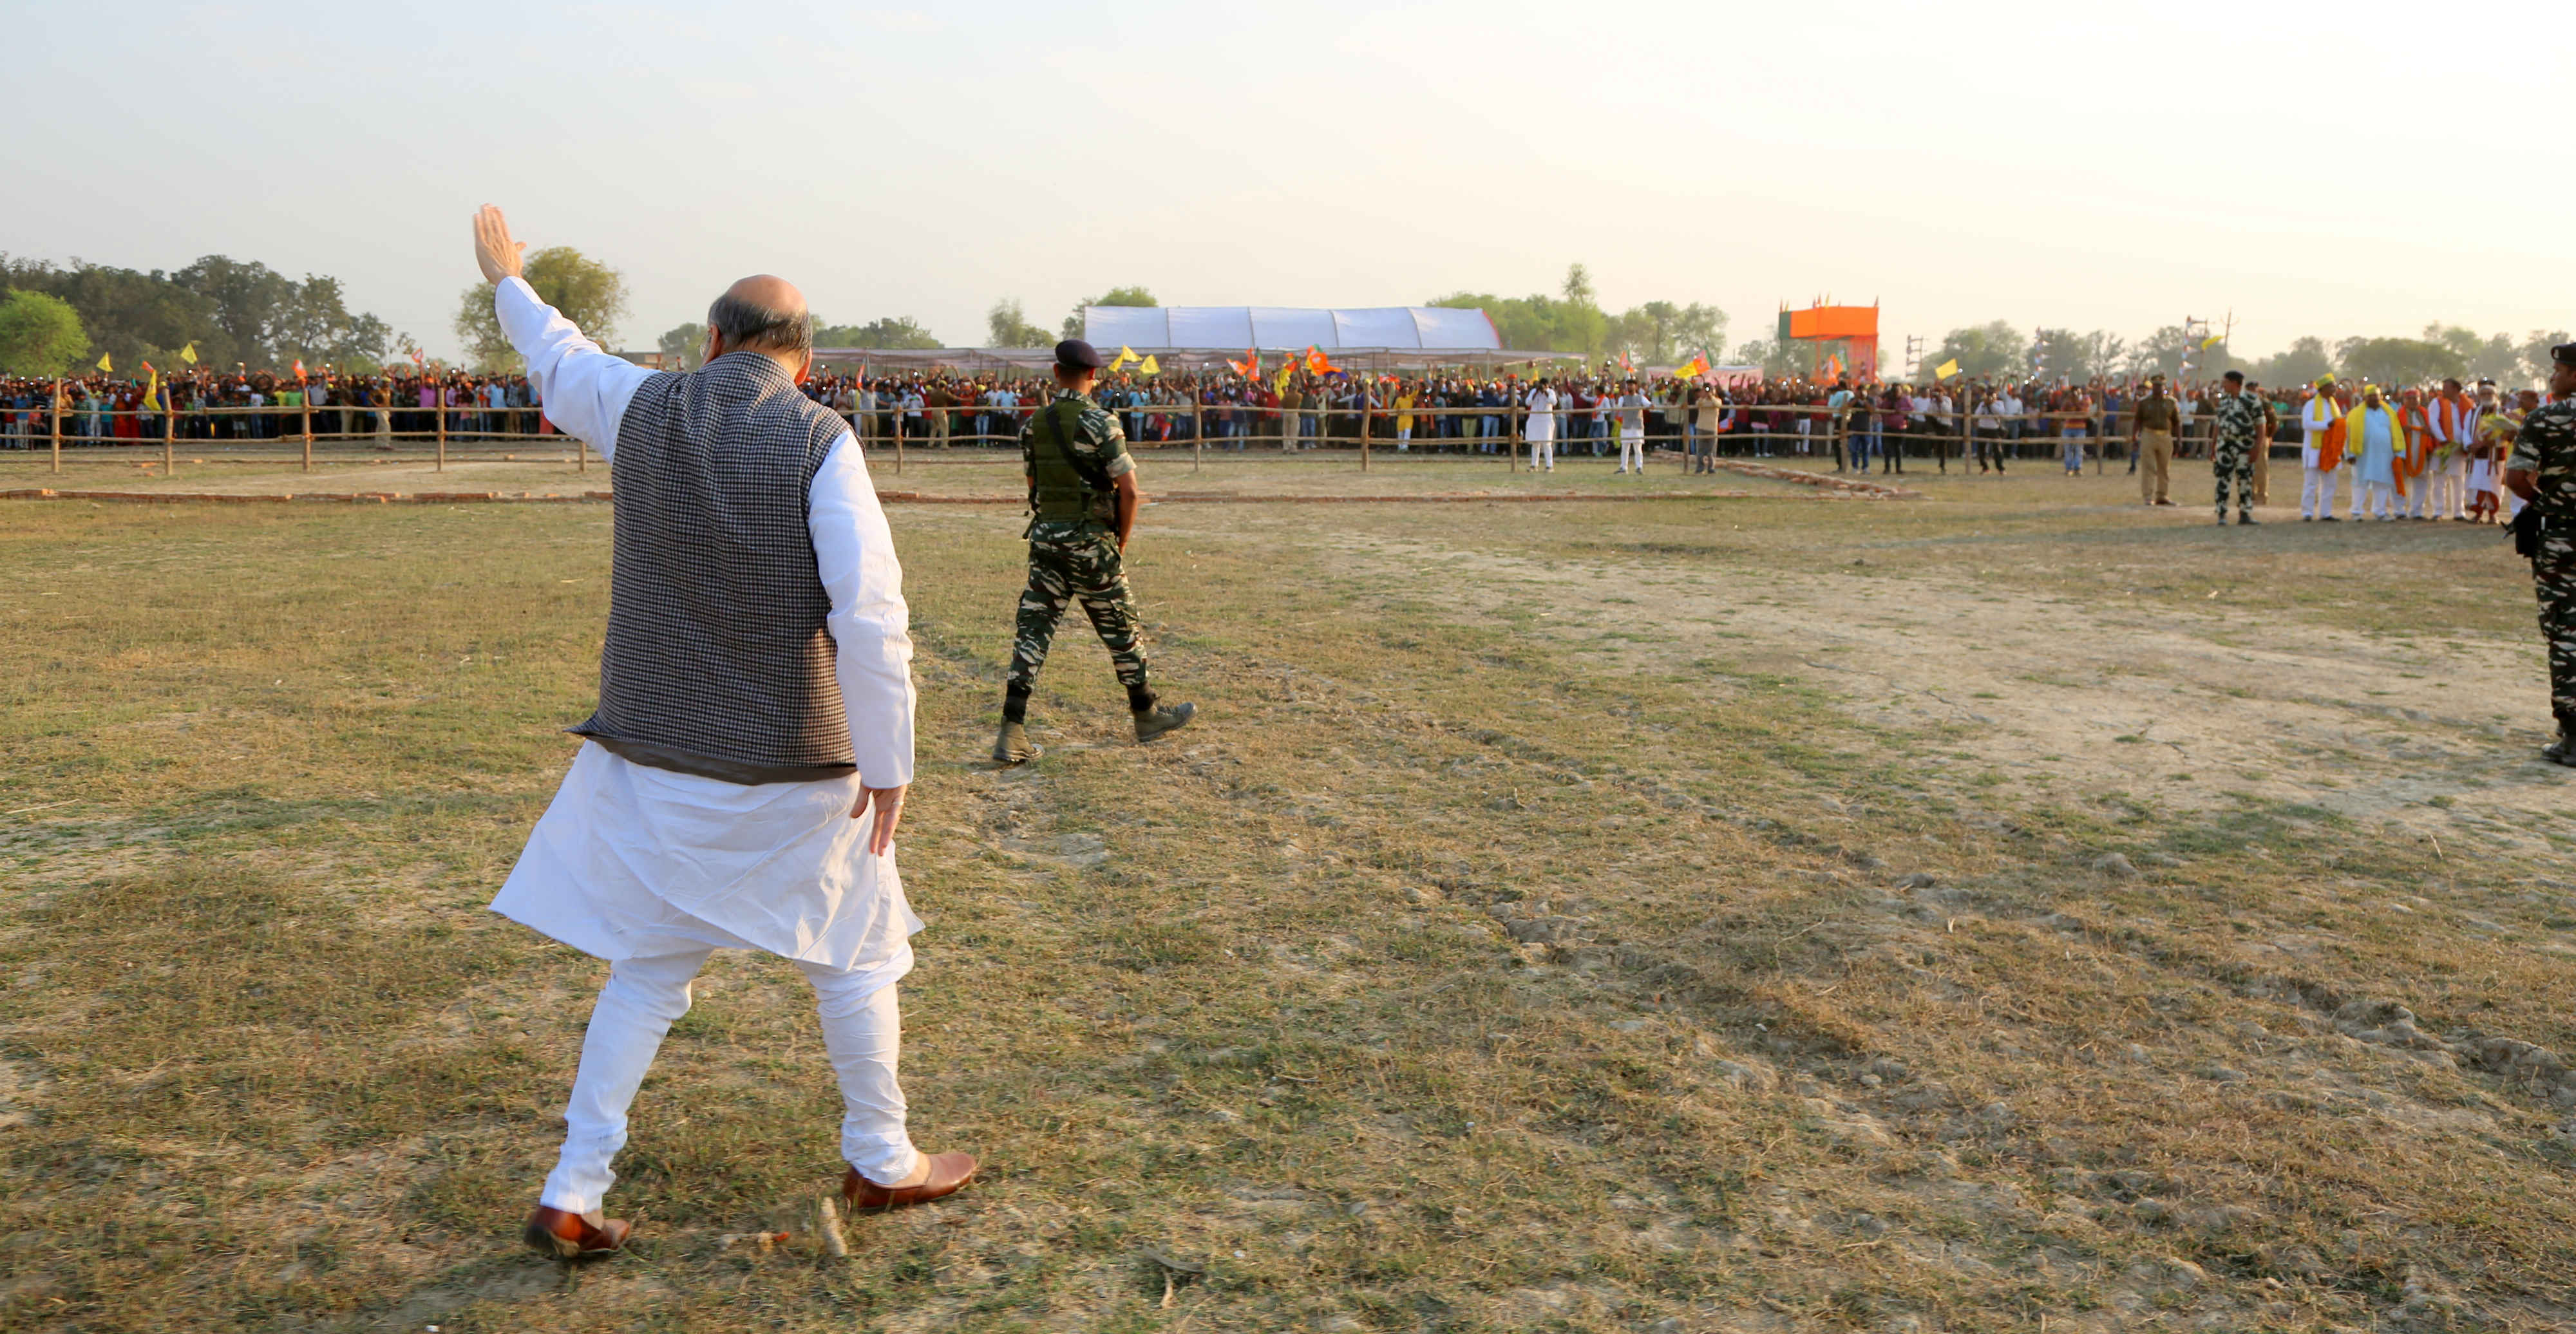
(1082, 506)
(2543, 472)
(2240, 418)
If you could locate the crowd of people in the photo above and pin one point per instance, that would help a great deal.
(262, 405)
(1856, 425)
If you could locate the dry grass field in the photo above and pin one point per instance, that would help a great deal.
(2007, 909)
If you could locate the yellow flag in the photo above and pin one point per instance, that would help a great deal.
(2212, 341)
(1125, 354)
(1149, 366)
(102, 364)
(1946, 369)
(1279, 382)
(188, 354)
(152, 391)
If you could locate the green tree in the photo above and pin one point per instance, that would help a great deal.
(1572, 320)
(1007, 325)
(590, 294)
(2398, 361)
(1991, 348)
(894, 331)
(315, 325)
(1115, 296)
(2301, 363)
(682, 343)
(1661, 332)
(2535, 354)
(247, 298)
(39, 335)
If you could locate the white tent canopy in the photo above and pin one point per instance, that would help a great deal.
(1235, 328)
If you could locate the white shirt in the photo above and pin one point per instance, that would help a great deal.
(631, 861)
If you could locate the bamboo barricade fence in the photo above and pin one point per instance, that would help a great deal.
(1257, 433)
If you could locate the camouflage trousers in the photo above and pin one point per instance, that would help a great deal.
(1084, 569)
(2554, 575)
(2234, 460)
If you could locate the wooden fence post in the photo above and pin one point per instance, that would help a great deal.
(170, 437)
(304, 406)
(438, 410)
(1198, 431)
(1365, 410)
(54, 418)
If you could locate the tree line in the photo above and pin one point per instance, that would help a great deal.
(1997, 349)
(59, 318)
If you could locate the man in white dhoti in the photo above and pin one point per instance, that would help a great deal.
(745, 772)
(1541, 427)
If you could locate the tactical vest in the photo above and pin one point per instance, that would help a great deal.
(1063, 489)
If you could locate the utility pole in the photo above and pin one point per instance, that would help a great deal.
(1913, 357)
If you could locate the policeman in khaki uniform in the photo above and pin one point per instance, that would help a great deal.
(1082, 506)
(2543, 472)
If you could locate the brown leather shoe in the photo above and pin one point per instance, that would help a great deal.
(552, 1232)
(948, 1171)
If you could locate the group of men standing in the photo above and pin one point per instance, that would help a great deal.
(2409, 455)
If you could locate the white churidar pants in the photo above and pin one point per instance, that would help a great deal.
(862, 1031)
(1632, 450)
(2377, 497)
(2449, 487)
(2418, 497)
(2316, 493)
(1542, 443)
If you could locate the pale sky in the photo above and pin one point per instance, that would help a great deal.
(2078, 165)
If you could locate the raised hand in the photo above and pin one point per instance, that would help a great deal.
(494, 252)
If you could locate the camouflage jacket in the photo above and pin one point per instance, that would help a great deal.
(2546, 448)
(2240, 415)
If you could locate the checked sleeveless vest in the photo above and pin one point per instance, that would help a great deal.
(717, 660)
(1062, 489)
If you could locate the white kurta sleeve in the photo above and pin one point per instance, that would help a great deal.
(583, 390)
(871, 635)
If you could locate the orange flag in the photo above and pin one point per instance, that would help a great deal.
(1317, 362)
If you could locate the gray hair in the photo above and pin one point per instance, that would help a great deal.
(752, 328)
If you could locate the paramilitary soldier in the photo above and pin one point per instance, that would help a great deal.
(2240, 419)
(2543, 472)
(1082, 506)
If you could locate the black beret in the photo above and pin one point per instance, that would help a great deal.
(2564, 354)
(1076, 355)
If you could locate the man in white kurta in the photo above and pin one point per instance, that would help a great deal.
(2375, 439)
(653, 867)
(1541, 428)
